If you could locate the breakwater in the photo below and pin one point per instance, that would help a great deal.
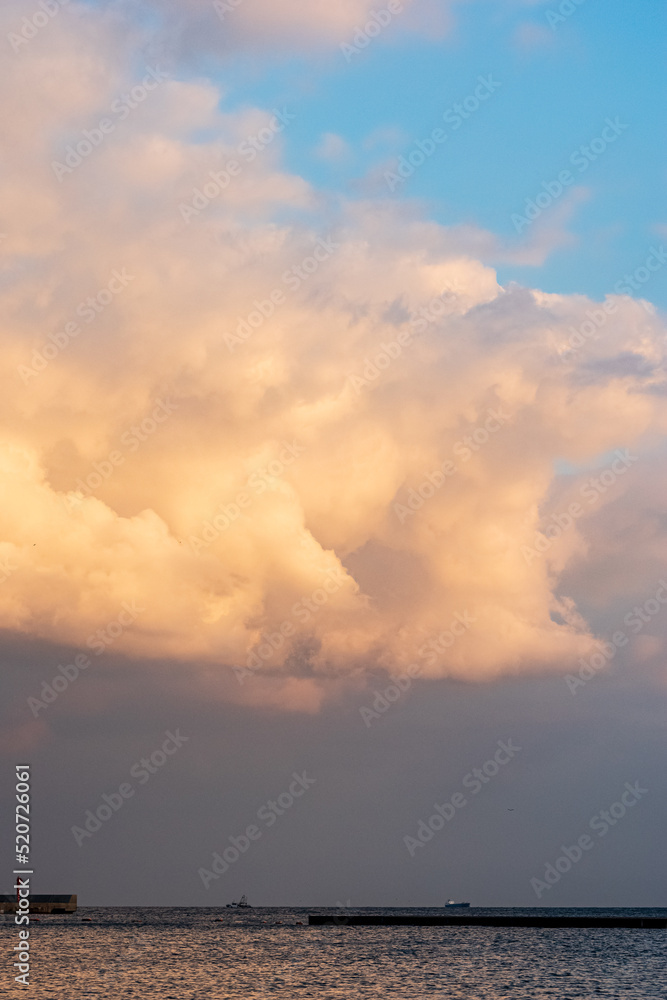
(479, 920)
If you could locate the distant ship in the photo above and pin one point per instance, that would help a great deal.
(242, 904)
(451, 902)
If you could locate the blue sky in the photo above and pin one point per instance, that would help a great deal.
(557, 88)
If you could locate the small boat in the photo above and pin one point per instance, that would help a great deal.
(451, 902)
(242, 904)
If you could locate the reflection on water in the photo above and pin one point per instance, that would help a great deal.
(188, 954)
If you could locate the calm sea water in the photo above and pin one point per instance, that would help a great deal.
(190, 954)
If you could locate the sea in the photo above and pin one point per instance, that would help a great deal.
(162, 953)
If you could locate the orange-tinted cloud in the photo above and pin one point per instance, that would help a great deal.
(306, 447)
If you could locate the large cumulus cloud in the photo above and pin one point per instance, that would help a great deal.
(301, 435)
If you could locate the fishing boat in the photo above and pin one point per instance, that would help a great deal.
(242, 904)
(451, 902)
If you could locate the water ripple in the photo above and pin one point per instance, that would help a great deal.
(190, 954)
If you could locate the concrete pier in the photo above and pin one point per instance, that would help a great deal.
(479, 920)
(41, 904)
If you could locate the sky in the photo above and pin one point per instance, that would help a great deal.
(332, 450)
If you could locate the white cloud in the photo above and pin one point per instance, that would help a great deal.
(332, 148)
(318, 366)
